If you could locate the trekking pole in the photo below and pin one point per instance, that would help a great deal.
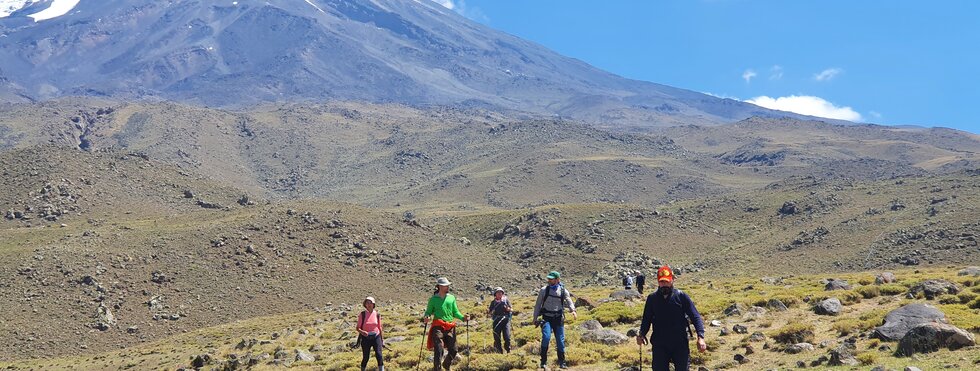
(641, 357)
(425, 329)
(468, 349)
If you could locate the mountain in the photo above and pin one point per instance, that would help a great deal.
(239, 53)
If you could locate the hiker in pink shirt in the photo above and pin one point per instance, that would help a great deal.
(369, 334)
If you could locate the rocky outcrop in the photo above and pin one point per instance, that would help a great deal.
(930, 337)
(899, 321)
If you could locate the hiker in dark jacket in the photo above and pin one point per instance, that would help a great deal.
(500, 312)
(640, 281)
(667, 312)
(551, 304)
(369, 334)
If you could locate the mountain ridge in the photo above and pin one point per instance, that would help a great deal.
(415, 53)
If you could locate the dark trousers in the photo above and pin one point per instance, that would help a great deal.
(639, 288)
(443, 340)
(501, 329)
(677, 353)
(368, 342)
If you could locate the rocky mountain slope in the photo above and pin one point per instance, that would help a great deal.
(387, 155)
(167, 251)
(236, 54)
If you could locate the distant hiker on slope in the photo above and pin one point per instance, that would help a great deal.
(552, 300)
(369, 334)
(500, 311)
(667, 311)
(640, 281)
(628, 280)
(442, 307)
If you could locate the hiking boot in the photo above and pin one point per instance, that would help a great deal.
(562, 365)
(544, 366)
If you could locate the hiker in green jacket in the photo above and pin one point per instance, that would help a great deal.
(442, 308)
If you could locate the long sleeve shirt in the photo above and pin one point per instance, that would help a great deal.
(550, 303)
(443, 308)
(369, 322)
(667, 316)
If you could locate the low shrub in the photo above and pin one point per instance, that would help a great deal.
(794, 333)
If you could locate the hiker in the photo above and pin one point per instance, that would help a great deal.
(369, 334)
(667, 311)
(442, 307)
(640, 281)
(552, 300)
(628, 280)
(500, 312)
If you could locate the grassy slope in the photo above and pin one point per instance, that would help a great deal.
(330, 330)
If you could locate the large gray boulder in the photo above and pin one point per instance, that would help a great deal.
(885, 277)
(930, 337)
(835, 284)
(829, 307)
(604, 336)
(591, 325)
(625, 295)
(969, 271)
(901, 320)
(934, 288)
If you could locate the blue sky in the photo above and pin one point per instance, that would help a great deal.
(887, 62)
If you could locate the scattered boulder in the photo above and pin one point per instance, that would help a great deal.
(715, 323)
(625, 295)
(899, 321)
(835, 284)
(584, 302)
(304, 356)
(201, 360)
(829, 307)
(789, 208)
(604, 336)
(591, 325)
(885, 277)
(739, 329)
(741, 359)
(930, 337)
(932, 289)
(799, 348)
(756, 312)
(843, 354)
(776, 305)
(912, 368)
(736, 309)
(969, 271)
(104, 319)
(757, 337)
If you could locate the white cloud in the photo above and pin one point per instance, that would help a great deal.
(748, 75)
(807, 105)
(776, 72)
(446, 3)
(828, 74)
(875, 115)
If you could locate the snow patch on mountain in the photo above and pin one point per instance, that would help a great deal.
(7, 7)
(58, 8)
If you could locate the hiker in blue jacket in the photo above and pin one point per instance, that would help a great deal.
(667, 310)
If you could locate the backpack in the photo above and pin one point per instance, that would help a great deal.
(563, 295)
(360, 337)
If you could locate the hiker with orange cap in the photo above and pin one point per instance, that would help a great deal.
(442, 308)
(667, 311)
